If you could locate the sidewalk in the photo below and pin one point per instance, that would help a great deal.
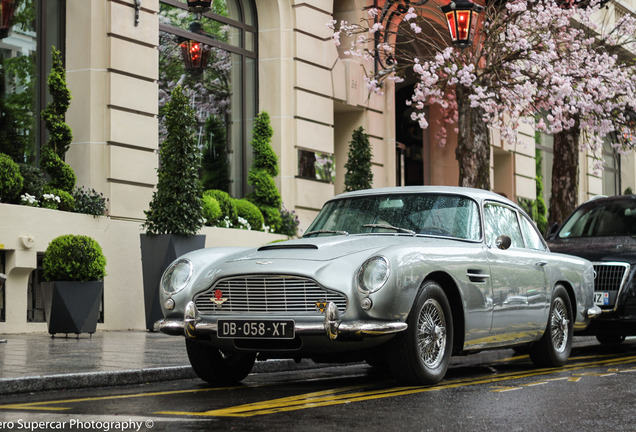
(37, 362)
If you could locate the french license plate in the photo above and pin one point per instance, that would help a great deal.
(256, 329)
(601, 298)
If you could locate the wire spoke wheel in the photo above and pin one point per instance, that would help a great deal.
(559, 325)
(554, 347)
(431, 333)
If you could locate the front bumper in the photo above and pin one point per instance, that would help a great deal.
(193, 325)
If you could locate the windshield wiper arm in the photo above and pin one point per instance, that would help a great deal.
(387, 226)
(326, 232)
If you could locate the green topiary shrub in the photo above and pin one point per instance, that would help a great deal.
(33, 181)
(358, 173)
(226, 203)
(57, 199)
(61, 173)
(272, 218)
(248, 211)
(74, 258)
(11, 180)
(211, 210)
(264, 168)
(176, 206)
(265, 190)
(60, 134)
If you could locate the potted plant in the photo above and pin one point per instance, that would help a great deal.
(176, 214)
(74, 268)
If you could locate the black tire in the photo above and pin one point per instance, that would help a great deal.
(610, 339)
(217, 367)
(421, 354)
(553, 349)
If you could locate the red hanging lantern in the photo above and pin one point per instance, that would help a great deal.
(462, 16)
(7, 9)
(195, 55)
(199, 6)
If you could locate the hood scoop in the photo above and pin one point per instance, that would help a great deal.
(286, 246)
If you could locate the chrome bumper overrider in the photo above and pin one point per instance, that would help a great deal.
(192, 325)
(594, 312)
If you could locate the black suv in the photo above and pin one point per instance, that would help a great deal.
(603, 230)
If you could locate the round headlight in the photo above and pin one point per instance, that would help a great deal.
(373, 274)
(176, 277)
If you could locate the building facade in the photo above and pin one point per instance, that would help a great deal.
(122, 58)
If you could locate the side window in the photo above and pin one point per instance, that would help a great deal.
(530, 235)
(501, 220)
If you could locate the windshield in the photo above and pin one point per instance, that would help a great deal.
(410, 214)
(613, 218)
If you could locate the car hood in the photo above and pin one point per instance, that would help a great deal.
(321, 248)
(597, 248)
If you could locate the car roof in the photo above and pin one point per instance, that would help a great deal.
(601, 200)
(477, 194)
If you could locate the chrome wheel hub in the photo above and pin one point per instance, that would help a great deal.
(559, 325)
(431, 333)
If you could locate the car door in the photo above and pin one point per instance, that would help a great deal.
(518, 276)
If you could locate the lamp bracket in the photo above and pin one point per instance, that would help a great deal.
(137, 9)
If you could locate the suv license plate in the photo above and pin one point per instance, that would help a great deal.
(256, 329)
(601, 298)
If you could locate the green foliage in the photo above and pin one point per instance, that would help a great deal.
(11, 142)
(272, 218)
(33, 181)
(176, 204)
(628, 191)
(61, 173)
(74, 258)
(248, 211)
(536, 208)
(261, 176)
(265, 191)
(264, 156)
(89, 201)
(64, 200)
(211, 210)
(289, 223)
(214, 162)
(11, 180)
(226, 203)
(358, 166)
(60, 134)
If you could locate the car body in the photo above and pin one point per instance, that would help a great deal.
(401, 277)
(603, 230)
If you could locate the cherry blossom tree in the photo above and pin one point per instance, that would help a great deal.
(544, 62)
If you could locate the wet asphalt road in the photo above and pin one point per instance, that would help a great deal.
(499, 390)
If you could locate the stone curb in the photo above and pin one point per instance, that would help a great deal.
(78, 380)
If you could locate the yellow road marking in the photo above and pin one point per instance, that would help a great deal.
(326, 397)
(336, 397)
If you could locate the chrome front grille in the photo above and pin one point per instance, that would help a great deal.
(609, 281)
(267, 294)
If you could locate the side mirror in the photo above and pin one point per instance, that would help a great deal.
(3, 278)
(503, 242)
(552, 230)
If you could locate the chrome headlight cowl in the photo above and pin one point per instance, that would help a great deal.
(373, 274)
(176, 277)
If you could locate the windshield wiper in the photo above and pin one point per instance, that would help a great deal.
(387, 226)
(326, 232)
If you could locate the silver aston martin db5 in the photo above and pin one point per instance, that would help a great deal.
(400, 277)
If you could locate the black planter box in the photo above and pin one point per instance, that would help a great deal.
(157, 252)
(72, 307)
